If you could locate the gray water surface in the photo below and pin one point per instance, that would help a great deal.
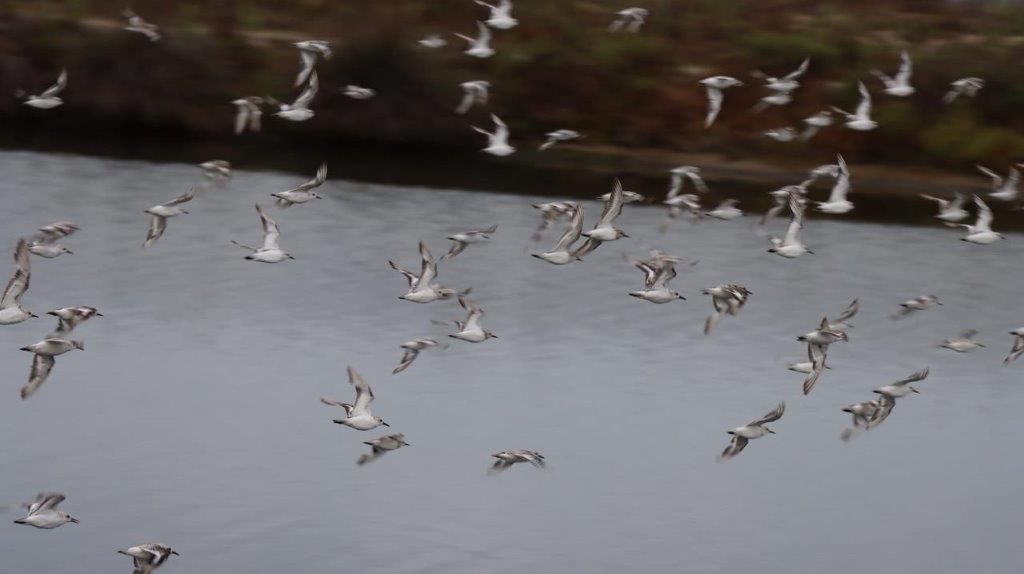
(192, 417)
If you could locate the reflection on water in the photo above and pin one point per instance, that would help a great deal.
(192, 416)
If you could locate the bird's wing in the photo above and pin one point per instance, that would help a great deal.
(456, 248)
(500, 129)
(572, 233)
(864, 107)
(241, 117)
(849, 312)
(271, 233)
(586, 247)
(997, 180)
(943, 203)
(715, 97)
(800, 71)
(738, 444)
(363, 393)
(157, 225)
(45, 501)
(317, 181)
(334, 403)
(484, 36)
(984, 222)
(913, 377)
(183, 198)
(773, 415)
(19, 283)
(409, 275)
(1016, 351)
(408, 356)
(612, 207)
(428, 270)
(906, 68)
(62, 82)
(665, 273)
(797, 221)
(41, 366)
(306, 97)
(308, 59)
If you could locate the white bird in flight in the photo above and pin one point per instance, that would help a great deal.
(43, 359)
(44, 243)
(501, 15)
(11, 311)
(861, 119)
(950, 210)
(497, 142)
(507, 458)
(248, 114)
(981, 232)
(358, 92)
(786, 83)
(474, 92)
(837, 203)
(357, 416)
(470, 330)
(791, 246)
(967, 87)
(479, 47)
(148, 557)
(814, 123)
(726, 299)
(381, 445)
(1018, 346)
(49, 98)
(962, 343)
(1003, 189)
(898, 85)
(298, 111)
(559, 136)
(433, 41)
(462, 240)
(748, 432)
(43, 512)
(309, 51)
(138, 25)
(657, 274)
(715, 86)
(922, 303)
(160, 213)
(562, 253)
(271, 251)
(604, 230)
(303, 192)
(411, 350)
(630, 19)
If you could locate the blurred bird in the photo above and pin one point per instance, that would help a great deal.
(49, 98)
(967, 87)
(479, 47)
(899, 85)
(70, 317)
(357, 416)
(11, 311)
(786, 83)
(837, 203)
(922, 303)
(550, 213)
(470, 329)
(271, 251)
(842, 322)
(44, 243)
(148, 557)
(814, 123)
(561, 254)
(888, 394)
(559, 136)
(861, 119)
(138, 25)
(791, 246)
(381, 445)
(473, 92)
(726, 299)
(950, 210)
(501, 15)
(657, 274)
(604, 230)
(303, 192)
(507, 458)
(726, 210)
(424, 289)
(298, 111)
(962, 343)
(43, 512)
(160, 214)
(748, 432)
(1004, 189)
(42, 362)
(358, 92)
(1018, 346)
(411, 350)
(630, 19)
(715, 86)
(433, 42)
(461, 240)
(781, 135)
(309, 50)
(248, 114)
(217, 172)
(497, 142)
(981, 232)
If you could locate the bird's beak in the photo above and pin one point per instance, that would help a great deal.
(915, 390)
(99, 314)
(73, 519)
(769, 430)
(37, 316)
(336, 421)
(69, 252)
(385, 424)
(54, 313)
(175, 553)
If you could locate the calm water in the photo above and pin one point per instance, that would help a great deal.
(192, 416)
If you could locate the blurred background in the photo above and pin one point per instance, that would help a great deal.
(634, 96)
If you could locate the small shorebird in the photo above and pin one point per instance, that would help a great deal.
(381, 445)
(507, 458)
(433, 41)
(780, 200)
(550, 212)
(968, 87)
(49, 98)
(138, 25)
(922, 303)
(470, 329)
(818, 342)
(726, 299)
(790, 246)
(981, 232)
(888, 394)
(950, 210)
(44, 243)
(822, 119)
(630, 19)
(357, 416)
(479, 47)
(424, 289)
(786, 83)
(754, 429)
(298, 111)
(303, 192)
(43, 360)
(217, 172)
(461, 240)
(43, 512)
(501, 15)
(160, 213)
(657, 274)
(560, 254)
(248, 114)
(309, 50)
(898, 85)
(11, 311)
(1018, 346)
(70, 317)
(726, 210)
(497, 142)
(1003, 189)
(962, 343)
(837, 203)
(860, 120)
(271, 251)
(474, 92)
(411, 350)
(148, 557)
(714, 87)
(604, 230)
(559, 136)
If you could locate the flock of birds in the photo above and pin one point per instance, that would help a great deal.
(574, 244)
